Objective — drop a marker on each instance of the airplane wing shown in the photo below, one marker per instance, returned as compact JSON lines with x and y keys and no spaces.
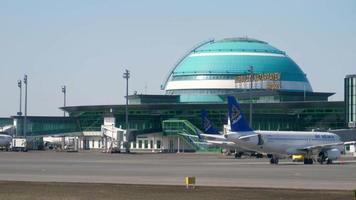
{"x":220,"y":142}
{"x":320,"y":147}
{"x":247,"y":136}
{"x":202,"y":143}
{"x":188,"y":135}
{"x":221,"y":137}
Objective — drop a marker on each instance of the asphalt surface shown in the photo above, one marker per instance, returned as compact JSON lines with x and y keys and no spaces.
{"x":170,"y":169}
{"x":84,"y":191}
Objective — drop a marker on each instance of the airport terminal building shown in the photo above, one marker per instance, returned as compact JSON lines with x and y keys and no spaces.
{"x":249,"y":69}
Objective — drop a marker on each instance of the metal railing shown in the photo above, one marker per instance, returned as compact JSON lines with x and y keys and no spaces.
{"x":185,"y":130}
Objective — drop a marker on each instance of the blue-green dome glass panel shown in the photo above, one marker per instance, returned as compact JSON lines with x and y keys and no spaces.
{"x":240,"y":65}
{"x":238,"y":46}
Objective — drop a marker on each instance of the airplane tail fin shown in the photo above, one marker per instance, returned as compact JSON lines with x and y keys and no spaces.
{"x":207,"y":124}
{"x":238,"y":121}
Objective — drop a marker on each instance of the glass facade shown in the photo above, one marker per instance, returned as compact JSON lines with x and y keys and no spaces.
{"x":46,"y":125}
{"x":258,"y":96}
{"x":266,"y":116}
{"x":6,"y":121}
{"x":350,"y":100}
{"x":148,"y":118}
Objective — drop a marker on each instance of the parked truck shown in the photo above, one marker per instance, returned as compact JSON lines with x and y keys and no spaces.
{"x":19,"y":144}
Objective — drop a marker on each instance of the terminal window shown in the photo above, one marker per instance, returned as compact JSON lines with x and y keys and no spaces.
{"x":347,"y":147}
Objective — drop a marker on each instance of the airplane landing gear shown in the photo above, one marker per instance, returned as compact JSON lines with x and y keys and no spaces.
{"x":238,"y":154}
{"x":259,"y":155}
{"x":308,"y":161}
{"x":328,"y":161}
{"x":322,"y":158}
{"x":321,"y":161}
{"x":274,"y":161}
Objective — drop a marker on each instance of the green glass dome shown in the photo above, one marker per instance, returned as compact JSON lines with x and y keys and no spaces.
{"x":213,"y":68}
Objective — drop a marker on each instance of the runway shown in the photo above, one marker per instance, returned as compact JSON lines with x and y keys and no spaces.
{"x":170,"y":169}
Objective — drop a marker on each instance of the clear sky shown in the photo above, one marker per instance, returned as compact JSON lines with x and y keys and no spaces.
{"x":87,"y":44}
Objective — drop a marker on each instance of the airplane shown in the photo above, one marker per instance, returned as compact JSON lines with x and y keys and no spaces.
{"x":5,"y":141}
{"x":213,"y":137}
{"x":279,"y":144}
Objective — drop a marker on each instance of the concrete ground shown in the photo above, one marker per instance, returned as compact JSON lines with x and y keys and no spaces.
{"x":170,"y":169}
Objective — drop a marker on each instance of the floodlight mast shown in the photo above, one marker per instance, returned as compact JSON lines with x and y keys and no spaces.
{"x":126,"y":76}
{"x":250,"y":93}
{"x":64,"y":91}
{"x":19,"y":84}
{"x":25,"y":119}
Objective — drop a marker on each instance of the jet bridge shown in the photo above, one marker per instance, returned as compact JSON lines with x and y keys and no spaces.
{"x":115,"y":139}
{"x":9,"y":129}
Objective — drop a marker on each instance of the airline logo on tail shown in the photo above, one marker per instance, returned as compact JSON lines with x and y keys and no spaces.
{"x":207,"y":124}
{"x":238,"y":122}
{"x":235,"y":114}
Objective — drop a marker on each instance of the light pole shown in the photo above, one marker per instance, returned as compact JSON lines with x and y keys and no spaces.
{"x":19,"y":84}
{"x":127,"y":76}
{"x":251,"y":82}
{"x":25,"y":119}
{"x":64,"y":90}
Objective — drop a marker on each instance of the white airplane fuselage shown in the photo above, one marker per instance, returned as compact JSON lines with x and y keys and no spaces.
{"x":223,"y":144}
{"x":283,"y":142}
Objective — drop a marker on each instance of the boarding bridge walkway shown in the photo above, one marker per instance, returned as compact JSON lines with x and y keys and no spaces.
{"x":114,"y":138}
{"x":8,"y":128}
{"x":186,"y":131}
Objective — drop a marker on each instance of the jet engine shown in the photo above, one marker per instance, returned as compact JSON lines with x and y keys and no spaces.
{"x":333,"y":154}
